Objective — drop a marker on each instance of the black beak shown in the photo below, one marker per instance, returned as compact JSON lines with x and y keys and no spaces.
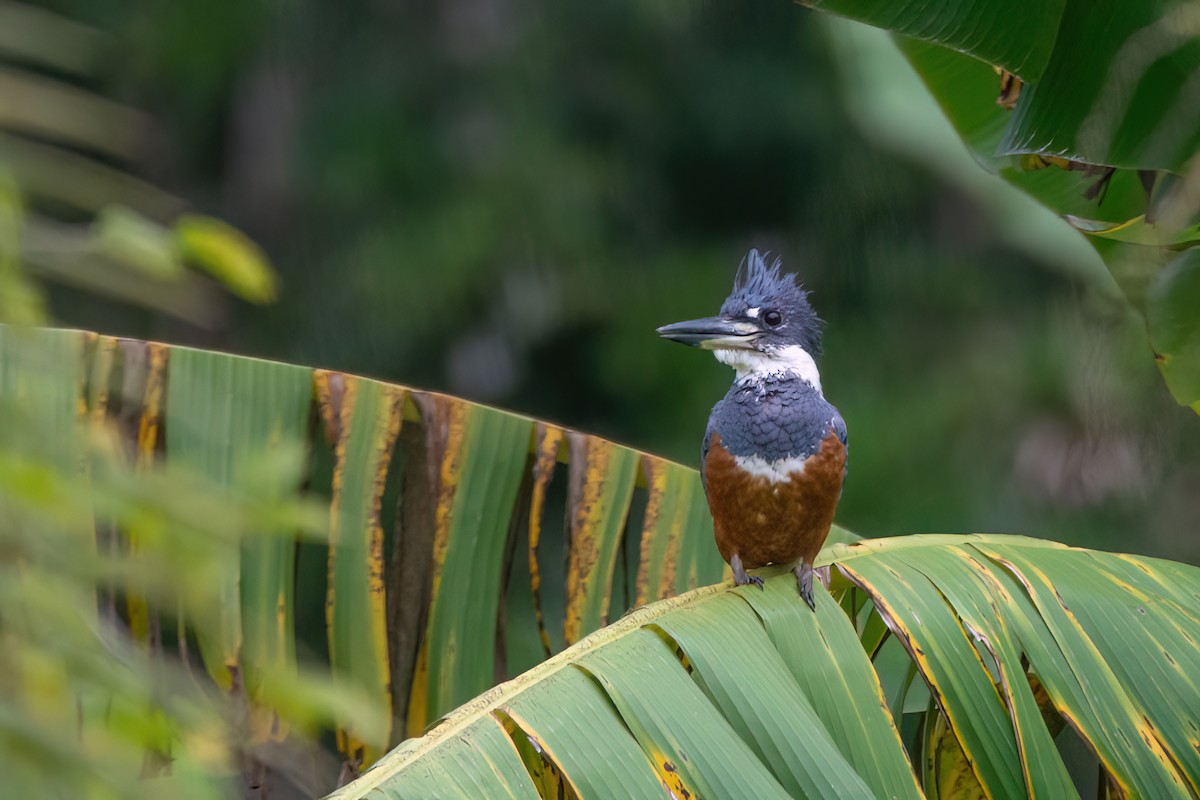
{"x":712,"y":333}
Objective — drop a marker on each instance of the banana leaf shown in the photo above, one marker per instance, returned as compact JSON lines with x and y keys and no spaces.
{"x":426,"y":497}
{"x":736,"y":692}
{"x":1087,"y":107}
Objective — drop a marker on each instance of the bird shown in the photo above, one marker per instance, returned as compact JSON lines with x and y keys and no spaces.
{"x":774,"y":455}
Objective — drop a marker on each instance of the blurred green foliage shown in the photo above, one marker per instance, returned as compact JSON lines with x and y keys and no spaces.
{"x":90,"y":707}
{"x":87,"y":708}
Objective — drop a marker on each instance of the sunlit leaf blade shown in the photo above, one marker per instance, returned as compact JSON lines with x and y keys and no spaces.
{"x":365,"y":416}
{"x":1171,"y":315}
{"x":1157,"y":576}
{"x":674,"y":722}
{"x":934,"y":637}
{"x":724,"y":641}
{"x":1083,"y":685}
{"x":216,"y":411}
{"x":480,"y":762}
{"x":602,"y":477}
{"x":222,"y":410}
{"x":710,"y":687}
{"x":593,"y":747}
{"x":1163,"y":681}
{"x":485,"y":453}
{"x":827,"y":662}
{"x":961,"y":579}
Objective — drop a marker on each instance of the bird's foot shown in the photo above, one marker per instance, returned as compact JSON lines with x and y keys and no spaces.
{"x":804,"y":576}
{"x":739,"y":573}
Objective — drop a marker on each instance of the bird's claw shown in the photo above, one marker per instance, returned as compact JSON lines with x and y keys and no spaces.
{"x":804,"y":576}
{"x":739,"y":573}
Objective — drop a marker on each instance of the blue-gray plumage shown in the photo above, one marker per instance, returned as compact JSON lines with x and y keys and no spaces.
{"x":773,"y":458}
{"x":777,"y":418}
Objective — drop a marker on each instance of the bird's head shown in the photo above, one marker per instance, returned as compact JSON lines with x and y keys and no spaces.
{"x":766,"y":325}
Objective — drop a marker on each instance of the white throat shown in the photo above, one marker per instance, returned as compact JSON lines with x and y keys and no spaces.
{"x":752,"y":365}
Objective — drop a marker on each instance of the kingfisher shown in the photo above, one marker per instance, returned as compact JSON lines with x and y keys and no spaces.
{"x":774,"y":455}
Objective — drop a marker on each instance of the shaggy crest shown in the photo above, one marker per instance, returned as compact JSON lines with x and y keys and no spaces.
{"x":756,"y":281}
{"x":758,"y":285}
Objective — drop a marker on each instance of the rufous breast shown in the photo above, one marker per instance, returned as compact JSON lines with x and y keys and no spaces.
{"x":773,"y":512}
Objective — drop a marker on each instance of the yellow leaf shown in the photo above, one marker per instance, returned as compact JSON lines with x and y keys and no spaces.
{"x":228,"y":255}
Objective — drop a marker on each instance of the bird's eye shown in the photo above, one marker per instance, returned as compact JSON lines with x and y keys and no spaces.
{"x":773,"y":318}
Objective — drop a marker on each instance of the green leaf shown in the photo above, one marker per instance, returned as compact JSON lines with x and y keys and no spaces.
{"x":484,"y":452}
{"x":680,"y":729}
{"x":830,"y":666}
{"x":938,"y":643}
{"x":364,"y":416}
{"x":1079,"y":680}
{"x":671,"y":492}
{"x":1085,"y":139}
{"x":593,"y":746}
{"x":1171,"y":315}
{"x":548,"y":440}
{"x":968,"y":591}
{"x":746,"y":692}
{"x":132,"y":239}
{"x":698,"y":563}
{"x":480,"y":762}
{"x":966,"y":88}
{"x":601,"y":487}
{"x":41,"y":379}
{"x":1136,"y":231}
{"x":228,"y":255}
{"x":1115,"y":90}
{"x":220,"y":410}
{"x":724,"y":640}
{"x":1018,"y":36}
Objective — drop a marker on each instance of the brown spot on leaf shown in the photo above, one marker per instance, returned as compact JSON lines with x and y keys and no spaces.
{"x":1010,"y":89}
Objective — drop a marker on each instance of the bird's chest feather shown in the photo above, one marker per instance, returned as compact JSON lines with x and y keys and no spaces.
{"x":773,"y":511}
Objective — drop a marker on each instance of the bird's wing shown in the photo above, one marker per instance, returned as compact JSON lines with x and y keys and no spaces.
{"x":708,"y":434}
{"x":839,"y":427}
